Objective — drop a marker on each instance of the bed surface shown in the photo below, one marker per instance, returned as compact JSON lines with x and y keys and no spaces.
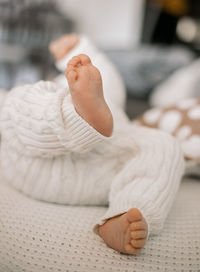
{"x":37,"y":236}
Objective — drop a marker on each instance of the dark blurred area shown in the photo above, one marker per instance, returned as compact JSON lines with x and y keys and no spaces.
{"x":26,"y":29}
{"x":167,"y":26}
{"x":169,"y":40}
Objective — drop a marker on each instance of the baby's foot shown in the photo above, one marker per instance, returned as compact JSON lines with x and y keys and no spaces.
{"x":85,"y":85}
{"x":63,"y":45}
{"x":126,"y":233}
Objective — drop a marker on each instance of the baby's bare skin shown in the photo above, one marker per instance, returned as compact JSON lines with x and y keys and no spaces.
{"x":126,"y":233}
{"x":86,"y":89}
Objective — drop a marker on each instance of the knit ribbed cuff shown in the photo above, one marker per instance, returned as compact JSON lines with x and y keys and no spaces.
{"x":83,"y":135}
{"x":73,"y":132}
{"x":84,"y":46}
{"x":148,"y":209}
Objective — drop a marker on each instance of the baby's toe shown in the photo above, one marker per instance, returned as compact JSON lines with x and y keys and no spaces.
{"x":131,"y":250}
{"x":139,"y":234}
{"x":139,"y":225}
{"x":138,"y":243}
{"x":84,"y":59}
{"x":71,"y":75}
{"x":75,"y":61}
{"x":134,"y":215}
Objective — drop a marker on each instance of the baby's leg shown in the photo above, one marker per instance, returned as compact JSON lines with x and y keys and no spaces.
{"x":86,"y":88}
{"x":148,"y":183}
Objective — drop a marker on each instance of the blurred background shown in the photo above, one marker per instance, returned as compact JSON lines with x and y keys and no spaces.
{"x":152,"y":42}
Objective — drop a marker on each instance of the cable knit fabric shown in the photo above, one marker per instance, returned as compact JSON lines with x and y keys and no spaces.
{"x":50,"y":153}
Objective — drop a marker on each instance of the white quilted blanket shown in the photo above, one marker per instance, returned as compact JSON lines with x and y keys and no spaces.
{"x":37,"y":236}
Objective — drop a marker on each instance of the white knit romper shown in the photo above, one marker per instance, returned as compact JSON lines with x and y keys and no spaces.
{"x":50,"y":153}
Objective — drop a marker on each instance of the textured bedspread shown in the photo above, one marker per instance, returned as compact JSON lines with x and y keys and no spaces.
{"x":36,"y":236}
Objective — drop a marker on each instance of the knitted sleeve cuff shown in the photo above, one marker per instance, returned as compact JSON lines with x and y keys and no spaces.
{"x":119,"y":207}
{"x":73,"y":132}
{"x":84,"y":46}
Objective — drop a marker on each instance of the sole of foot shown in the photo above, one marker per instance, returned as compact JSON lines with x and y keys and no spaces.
{"x":85,"y":84}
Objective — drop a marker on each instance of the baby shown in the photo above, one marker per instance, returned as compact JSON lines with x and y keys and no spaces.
{"x":70,"y":142}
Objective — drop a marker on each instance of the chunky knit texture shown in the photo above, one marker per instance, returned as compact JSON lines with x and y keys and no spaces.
{"x":50,"y":153}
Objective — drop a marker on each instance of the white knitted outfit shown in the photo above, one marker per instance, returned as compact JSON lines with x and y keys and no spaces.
{"x":50,"y":153}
